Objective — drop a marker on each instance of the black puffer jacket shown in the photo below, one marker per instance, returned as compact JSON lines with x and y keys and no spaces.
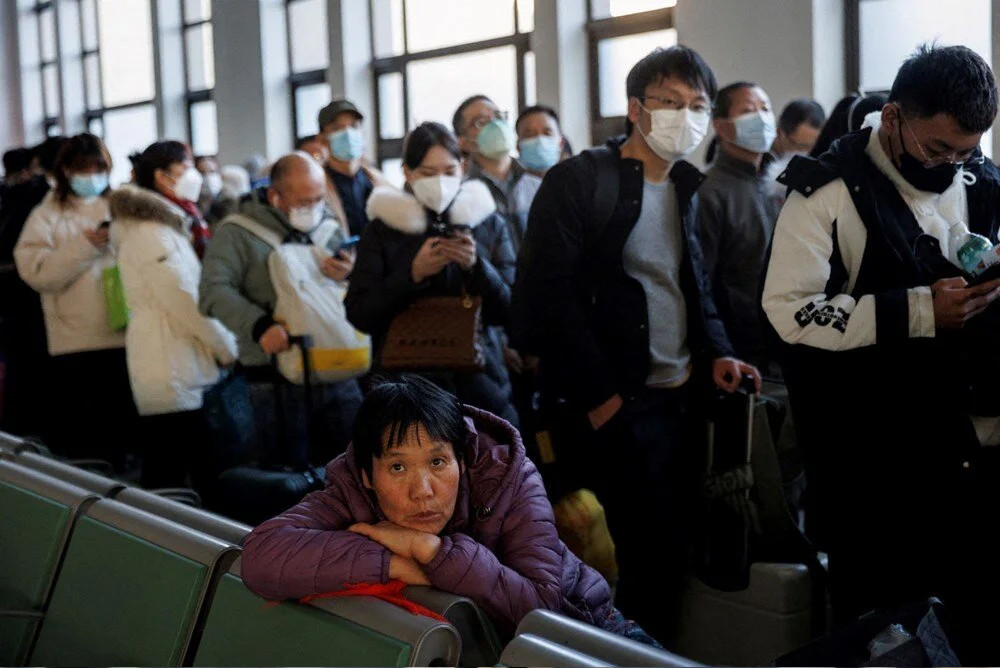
{"x":382,"y":284}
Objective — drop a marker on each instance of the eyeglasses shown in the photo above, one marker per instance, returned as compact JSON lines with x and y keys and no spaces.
{"x":482,"y":121}
{"x":935,"y":159}
{"x":698,"y":106}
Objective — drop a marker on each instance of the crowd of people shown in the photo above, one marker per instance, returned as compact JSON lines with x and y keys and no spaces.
{"x":514,"y":282}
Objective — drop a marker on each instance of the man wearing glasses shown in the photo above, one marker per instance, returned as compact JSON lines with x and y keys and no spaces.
{"x":487,"y":139}
{"x":611,"y":294}
{"x":889,"y":348}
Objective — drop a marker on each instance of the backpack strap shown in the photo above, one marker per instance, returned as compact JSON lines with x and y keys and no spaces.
{"x":270,"y":237}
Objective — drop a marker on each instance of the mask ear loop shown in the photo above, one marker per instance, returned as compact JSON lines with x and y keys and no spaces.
{"x":850,"y":112}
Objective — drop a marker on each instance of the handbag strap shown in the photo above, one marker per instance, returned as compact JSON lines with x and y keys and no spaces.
{"x":270,"y":237}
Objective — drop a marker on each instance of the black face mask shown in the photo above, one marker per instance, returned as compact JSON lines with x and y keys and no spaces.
{"x":933,"y":180}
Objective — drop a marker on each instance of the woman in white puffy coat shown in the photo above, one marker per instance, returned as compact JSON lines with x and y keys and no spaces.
{"x":174,"y":353}
{"x":61,"y":253}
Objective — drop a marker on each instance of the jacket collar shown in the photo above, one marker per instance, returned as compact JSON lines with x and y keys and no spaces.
{"x":402,"y":211}
{"x":740,"y":168}
{"x":686,"y":177}
{"x":131,"y":204}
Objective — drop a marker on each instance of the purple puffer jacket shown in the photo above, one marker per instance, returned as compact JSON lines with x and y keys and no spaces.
{"x":500,"y":548}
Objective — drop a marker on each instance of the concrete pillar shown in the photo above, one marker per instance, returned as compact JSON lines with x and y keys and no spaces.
{"x":559,"y":43}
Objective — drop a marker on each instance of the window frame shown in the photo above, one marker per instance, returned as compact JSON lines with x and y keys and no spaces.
{"x":392,"y":148}
{"x":49,"y":122}
{"x":194,"y":96}
{"x":97,"y":113}
{"x":598,"y":30}
{"x":297,"y":80}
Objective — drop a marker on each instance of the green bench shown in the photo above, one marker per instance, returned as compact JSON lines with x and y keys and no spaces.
{"x":35,"y":524}
{"x":74,"y":475}
{"x":130,"y":590}
{"x":200,"y":520}
{"x":243,"y":629}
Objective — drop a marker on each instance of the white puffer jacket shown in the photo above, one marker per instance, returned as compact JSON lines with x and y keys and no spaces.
{"x":54,"y":257}
{"x":173,"y":351}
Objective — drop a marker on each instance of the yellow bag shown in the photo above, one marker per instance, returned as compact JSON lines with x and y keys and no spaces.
{"x":582,"y":525}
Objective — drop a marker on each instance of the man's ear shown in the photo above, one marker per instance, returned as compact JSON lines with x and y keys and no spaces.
{"x":365,"y":481}
{"x":273,"y":198}
{"x":634,"y":110}
{"x":890,"y":118}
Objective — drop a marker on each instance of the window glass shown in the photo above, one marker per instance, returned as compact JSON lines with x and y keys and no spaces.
{"x":197,"y":10}
{"x":50,"y":79}
{"x":602,"y":9}
{"x":615,"y":57}
{"x":88,"y":9}
{"x":200,"y":58}
{"x":204,"y":129}
{"x":128,"y":131}
{"x":308,"y":101}
{"x":433,"y":24}
{"x":92,"y":79}
{"x":438,"y":85}
{"x":48,"y":36}
{"x":390,"y":105}
{"x":126,"y":51}
{"x":309,"y":36}
{"x":387,"y":17}
{"x":393,"y":171}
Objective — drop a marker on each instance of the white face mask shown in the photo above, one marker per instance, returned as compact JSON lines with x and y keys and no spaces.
{"x":755,"y":131}
{"x":214,"y":183}
{"x":188,"y":186}
{"x":306,"y":218}
{"x":436,"y":192}
{"x":674,"y":133}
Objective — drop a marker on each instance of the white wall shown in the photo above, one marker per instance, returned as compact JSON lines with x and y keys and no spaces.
{"x":11,"y":119}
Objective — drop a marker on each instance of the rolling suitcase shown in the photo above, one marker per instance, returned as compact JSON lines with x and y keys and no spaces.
{"x":253,"y":494}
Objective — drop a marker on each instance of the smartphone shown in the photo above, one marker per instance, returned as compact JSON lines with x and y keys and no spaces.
{"x":349,"y":243}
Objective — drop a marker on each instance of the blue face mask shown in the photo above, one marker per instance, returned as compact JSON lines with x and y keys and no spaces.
{"x":755,"y":131}
{"x":347,"y":144}
{"x":89,"y":185}
{"x":540,"y":153}
{"x":496,"y":139}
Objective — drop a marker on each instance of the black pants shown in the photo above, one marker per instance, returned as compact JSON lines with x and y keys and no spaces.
{"x":174,"y":446}
{"x":644,"y":470}
{"x":95,"y":415}
{"x":290,"y":437}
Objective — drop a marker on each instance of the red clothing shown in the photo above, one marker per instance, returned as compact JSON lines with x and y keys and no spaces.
{"x":200,"y":234}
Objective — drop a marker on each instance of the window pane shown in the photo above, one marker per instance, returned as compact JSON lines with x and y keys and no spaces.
{"x":602,"y":9}
{"x":204,"y":128}
{"x":615,"y":57}
{"x":390,"y":106}
{"x":914,"y":22}
{"x":308,"y":101}
{"x":393,"y":172}
{"x":48,"y":36}
{"x":525,"y":15}
{"x":88,"y":10}
{"x":50,"y":79}
{"x":126,"y":51}
{"x":432,"y":24}
{"x":387,"y":23}
{"x":92,"y":78}
{"x":309,"y":36}
{"x":197,"y":10}
{"x":530,"y":86}
{"x":53,"y":130}
{"x":127,"y":131}
{"x":438,"y":85}
{"x":95,"y":126}
{"x":200,"y":58}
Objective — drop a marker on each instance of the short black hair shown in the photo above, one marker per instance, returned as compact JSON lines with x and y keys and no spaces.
{"x":302,"y":141}
{"x":396,"y":405}
{"x":951,"y":80}
{"x":537,"y":109}
{"x":160,"y":155}
{"x":799,"y":111}
{"x":17,"y":160}
{"x":724,"y":98}
{"x":456,"y":120}
{"x":676,"y":61}
{"x":423,"y":138}
{"x":48,"y":152}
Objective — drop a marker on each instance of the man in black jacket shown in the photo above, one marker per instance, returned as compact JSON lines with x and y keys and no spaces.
{"x":614,"y":299}
{"x":890,"y":356}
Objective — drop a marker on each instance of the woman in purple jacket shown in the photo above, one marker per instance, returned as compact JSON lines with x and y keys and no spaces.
{"x":432,"y":493}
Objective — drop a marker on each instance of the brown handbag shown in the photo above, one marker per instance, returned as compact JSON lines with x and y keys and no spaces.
{"x":437,"y":334}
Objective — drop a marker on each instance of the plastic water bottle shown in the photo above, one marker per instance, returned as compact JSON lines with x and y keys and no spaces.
{"x":968,"y":247}
{"x":888,"y":639}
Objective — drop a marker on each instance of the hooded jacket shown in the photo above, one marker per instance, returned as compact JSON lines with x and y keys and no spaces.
{"x":54,"y":257}
{"x":500,"y":547}
{"x":172,"y":351}
{"x":382,"y":283}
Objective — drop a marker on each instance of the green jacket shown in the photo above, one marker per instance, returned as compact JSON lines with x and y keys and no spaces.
{"x":235,"y":281}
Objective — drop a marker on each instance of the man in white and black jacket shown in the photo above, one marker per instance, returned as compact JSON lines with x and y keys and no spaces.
{"x":889,"y":354}
{"x":613,"y":297}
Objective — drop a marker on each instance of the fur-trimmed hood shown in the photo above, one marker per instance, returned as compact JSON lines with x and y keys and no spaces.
{"x":401,"y":211}
{"x":132,"y":204}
